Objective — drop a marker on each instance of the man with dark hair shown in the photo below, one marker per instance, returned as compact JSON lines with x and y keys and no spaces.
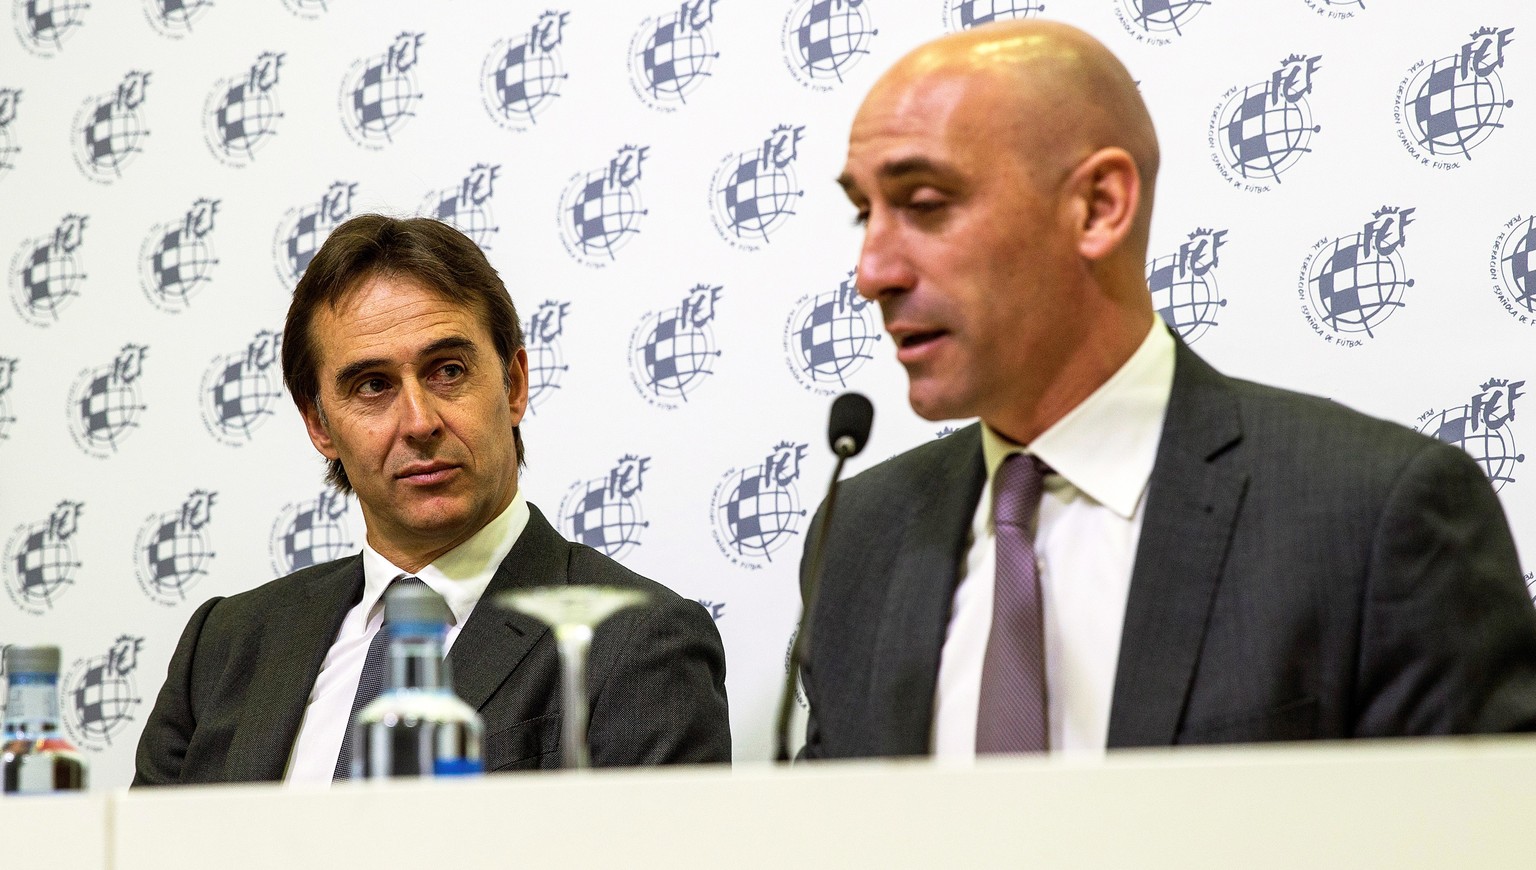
{"x":405,"y":358}
{"x":1130,"y":548}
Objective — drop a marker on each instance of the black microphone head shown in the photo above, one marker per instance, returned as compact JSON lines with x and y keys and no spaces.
{"x":848,"y":428}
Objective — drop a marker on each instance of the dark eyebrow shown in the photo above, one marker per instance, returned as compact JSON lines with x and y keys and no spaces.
{"x":898,"y":169}
{"x":452,"y":342}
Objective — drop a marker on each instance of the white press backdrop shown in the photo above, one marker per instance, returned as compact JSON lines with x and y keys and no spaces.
{"x":1345,"y":208}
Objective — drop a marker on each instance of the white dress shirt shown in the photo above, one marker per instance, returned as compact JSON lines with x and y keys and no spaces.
{"x":459,"y":576}
{"x":1101,"y":455}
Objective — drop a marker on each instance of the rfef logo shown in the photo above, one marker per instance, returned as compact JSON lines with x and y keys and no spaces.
{"x":1451,"y":105}
{"x":9,"y":98}
{"x":601,"y":210}
{"x":1351,"y":284}
{"x":109,"y":130}
{"x":754,"y":192}
{"x":604,"y":513}
{"x":1183,"y":284}
{"x":1483,"y":427}
{"x":241,"y":113}
{"x":522,"y":76}
{"x":101,"y":695}
{"x":1259,"y":131}
{"x":43,"y":26}
{"x":466,"y":206}
{"x":546,"y":352}
{"x":175,"y":18}
{"x":672,"y":54}
{"x":106,"y":402}
{"x":1157,"y":22}
{"x":828,"y":336}
{"x":823,"y":40}
{"x":176,"y":259}
{"x":1512,"y":266}
{"x":172,"y":551}
{"x":965,"y":14}
{"x":672,"y":352}
{"x":311,"y":533}
{"x":379,"y":93}
{"x":756,"y":508}
{"x":46,"y":275}
{"x":305,"y":228}
{"x":239,"y":391}
{"x":42,"y":560}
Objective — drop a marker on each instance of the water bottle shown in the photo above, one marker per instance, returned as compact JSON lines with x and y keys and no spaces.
{"x":417,"y":726}
{"x":37,"y":759}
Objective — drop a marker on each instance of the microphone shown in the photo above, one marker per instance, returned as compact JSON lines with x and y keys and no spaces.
{"x":847,"y":433}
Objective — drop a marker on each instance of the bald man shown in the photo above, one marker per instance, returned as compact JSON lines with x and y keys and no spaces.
{"x":1129,"y":549}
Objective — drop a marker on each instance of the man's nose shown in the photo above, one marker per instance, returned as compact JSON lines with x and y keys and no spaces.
{"x":884,"y":268}
{"x":419,"y":418}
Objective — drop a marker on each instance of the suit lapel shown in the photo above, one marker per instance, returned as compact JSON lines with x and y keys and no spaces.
{"x":294,"y":643}
{"x":495,"y":641}
{"x":1192,"y":504}
{"x":920,"y":595}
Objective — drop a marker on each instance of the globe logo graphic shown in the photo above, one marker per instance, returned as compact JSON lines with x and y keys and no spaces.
{"x":1355,"y":289}
{"x":600,"y":216}
{"x":673,"y":354}
{"x":380,"y":95}
{"x":43,"y":561}
{"x":175,"y":18}
{"x":674,"y":58}
{"x":758,"y":513}
{"x":1261,"y":134}
{"x":106,"y":405}
{"x":599,"y":516}
{"x":305,"y":229}
{"x":9,"y":97}
{"x":473,"y":219}
{"x":827,"y":38}
{"x":7,"y":378}
{"x":829,"y":337}
{"x":1493,"y":448}
{"x":965,"y":14}
{"x":44,"y":25}
{"x":238,"y":394}
{"x":178,"y":264}
{"x":48,"y":278}
{"x":1449,"y":113}
{"x":546,"y":355}
{"x":1517,"y":266}
{"x":109,"y":136}
{"x":174,"y":553}
{"x":521,"y":81}
{"x":242,"y":119}
{"x":1162,"y":16}
{"x":753,"y":196}
{"x":103,"y":695}
{"x":312,"y":533}
{"x":1186,"y":300}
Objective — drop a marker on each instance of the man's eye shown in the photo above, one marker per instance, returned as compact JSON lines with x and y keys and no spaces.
{"x":861,"y":218}
{"x":372,"y":386}
{"x":451,"y":372}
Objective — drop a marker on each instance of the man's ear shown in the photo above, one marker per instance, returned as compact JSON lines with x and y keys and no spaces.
{"x":517,"y":386}
{"x":319,"y":432}
{"x":1106,"y":194}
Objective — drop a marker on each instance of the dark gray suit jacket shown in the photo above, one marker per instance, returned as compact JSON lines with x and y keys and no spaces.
{"x":1304,"y":572}
{"x":240,"y":678}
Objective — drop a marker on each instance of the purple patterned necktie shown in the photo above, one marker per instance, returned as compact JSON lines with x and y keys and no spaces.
{"x":1012,"y":714}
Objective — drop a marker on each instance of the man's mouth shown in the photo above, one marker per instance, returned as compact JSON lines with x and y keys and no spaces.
{"x":426,"y":473}
{"x":913,"y":344}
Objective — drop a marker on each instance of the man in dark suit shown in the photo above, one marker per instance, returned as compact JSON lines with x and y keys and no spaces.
{"x":1130,"y":549}
{"x":405,"y":357}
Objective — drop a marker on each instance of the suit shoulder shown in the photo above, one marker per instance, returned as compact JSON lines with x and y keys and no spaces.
{"x":246,"y":607}
{"x":589,"y":566}
{"x":897,"y":474}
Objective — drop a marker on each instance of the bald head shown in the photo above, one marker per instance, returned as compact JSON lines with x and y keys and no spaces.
{"x":1004,"y":179}
{"x":1043,"y":90}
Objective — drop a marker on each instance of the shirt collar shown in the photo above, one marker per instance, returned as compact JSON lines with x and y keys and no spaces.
{"x":1105,"y":447}
{"x":459,"y":575}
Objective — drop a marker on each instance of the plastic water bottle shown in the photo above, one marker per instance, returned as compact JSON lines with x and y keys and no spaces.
{"x":37,"y":759}
{"x":417,"y":726}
